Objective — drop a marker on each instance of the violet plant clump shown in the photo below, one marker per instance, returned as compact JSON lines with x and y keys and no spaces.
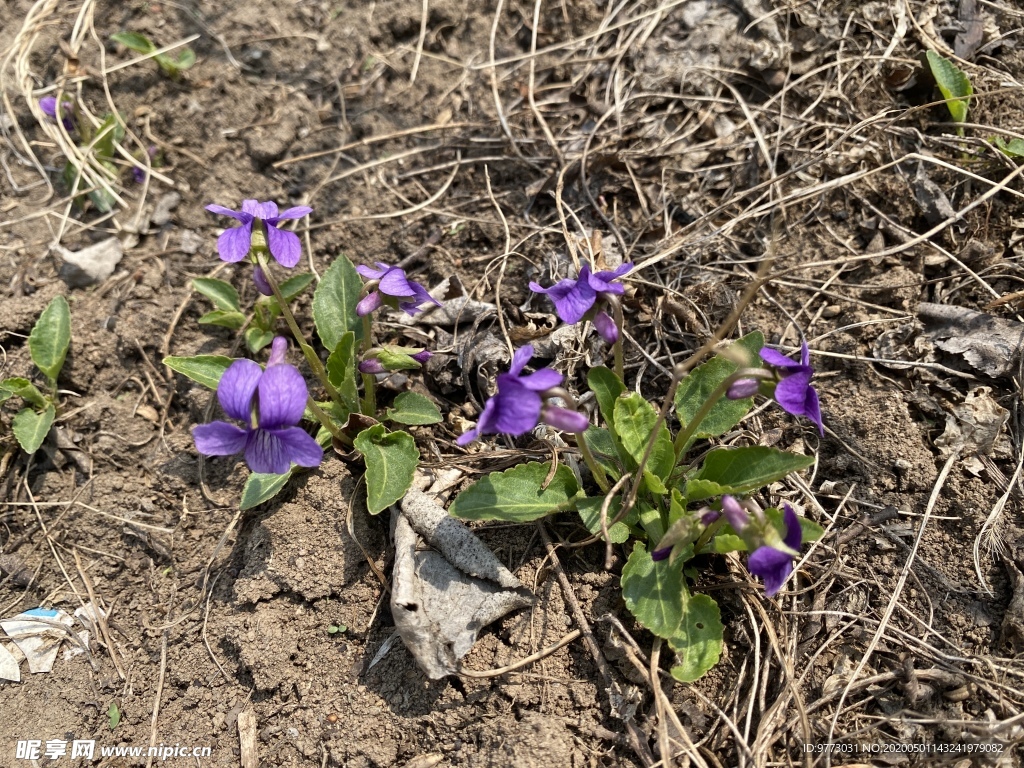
{"x":668,"y":497}
{"x":268,"y":407}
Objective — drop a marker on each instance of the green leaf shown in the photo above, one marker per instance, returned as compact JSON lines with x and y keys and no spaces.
{"x":108,"y":136}
{"x":698,"y":642}
{"x":657,"y":594}
{"x":413,"y":408}
{"x":260,"y":487}
{"x":606,"y":388}
{"x":221,"y":293}
{"x":725,"y":542}
{"x":953,"y":83}
{"x":24,"y":389}
{"x":113,"y":715}
{"x":703,"y":489}
{"x":206,"y":369}
{"x":516,"y":495}
{"x":809,"y":530}
{"x":134,"y":41}
{"x":609,"y":455}
{"x":696,"y":388}
{"x":256,"y":338}
{"x":1011,"y":148}
{"x":341,"y":370}
{"x":334,"y":303}
{"x":51,"y":337}
{"x":742,"y":470}
{"x":391,"y":460}
{"x":590,"y":513}
{"x":634,"y":420}
{"x":224,"y":318}
{"x":31,"y":427}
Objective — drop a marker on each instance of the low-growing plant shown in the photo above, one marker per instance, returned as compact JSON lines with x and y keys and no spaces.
{"x":172,"y":66}
{"x":669,"y":496}
{"x":48,"y":344}
{"x":954,"y":85}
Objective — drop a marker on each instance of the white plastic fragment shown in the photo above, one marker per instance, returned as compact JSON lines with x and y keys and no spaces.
{"x":38,"y":634}
{"x":9,"y":669}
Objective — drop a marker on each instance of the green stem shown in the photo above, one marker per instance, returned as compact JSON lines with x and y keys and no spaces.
{"x":369,"y":379}
{"x":311,"y":356}
{"x":617,"y":316}
{"x":707,"y":535}
{"x":326,"y":421}
{"x":595,"y":469}
{"x":686,"y":433}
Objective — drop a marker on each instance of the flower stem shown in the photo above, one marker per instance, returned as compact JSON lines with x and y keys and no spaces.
{"x":707,"y":535}
{"x":686,"y":433}
{"x":369,"y":379}
{"x":620,"y":367}
{"x":326,"y":421}
{"x":311,"y":356}
{"x":595,"y":469}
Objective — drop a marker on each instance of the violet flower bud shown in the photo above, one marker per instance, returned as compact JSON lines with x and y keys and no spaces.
{"x":371,"y":366}
{"x":734,"y":513}
{"x":262,"y":284}
{"x":422,"y":356}
{"x":742,"y":388}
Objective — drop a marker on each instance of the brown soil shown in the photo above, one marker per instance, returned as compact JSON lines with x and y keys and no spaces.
{"x":696,"y":141}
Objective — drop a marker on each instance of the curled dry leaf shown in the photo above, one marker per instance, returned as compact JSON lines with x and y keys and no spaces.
{"x":988,"y":343}
{"x":442,"y":597}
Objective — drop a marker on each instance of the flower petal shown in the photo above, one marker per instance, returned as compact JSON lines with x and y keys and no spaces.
{"x":284,"y":246}
{"x":278,"y":350}
{"x":572,"y":299}
{"x":236,"y":388}
{"x":771,"y":565}
{"x":467,"y":437}
{"x":814,"y":409}
{"x":370,"y":273}
{"x":282,"y":397}
{"x":520,"y":359}
{"x":396,"y":283}
{"x":49,"y":106}
{"x":564,"y":419}
{"x":233,"y":244}
{"x":485,"y":424}
{"x":543,"y":379}
{"x":794,"y":535}
{"x":220,"y":210}
{"x":251,"y":207}
{"x":266,"y":453}
{"x":293,"y":213}
{"x":300,"y":447}
{"x":267,"y":210}
{"x":791,"y":393}
{"x":604,"y":282}
{"x":805,"y":354}
{"x":517,"y":409}
{"x":775,"y":358}
{"x":218,"y":438}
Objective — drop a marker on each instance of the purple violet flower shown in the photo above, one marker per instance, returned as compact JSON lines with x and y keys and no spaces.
{"x":734,"y":513}
{"x":774,"y":565}
{"x":575,"y":300}
{"x":794,"y":392}
{"x":49,"y":106}
{"x":234,"y":244}
{"x":393,"y":288}
{"x":742,"y":388}
{"x":270,"y":404}
{"x":519,"y":404}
